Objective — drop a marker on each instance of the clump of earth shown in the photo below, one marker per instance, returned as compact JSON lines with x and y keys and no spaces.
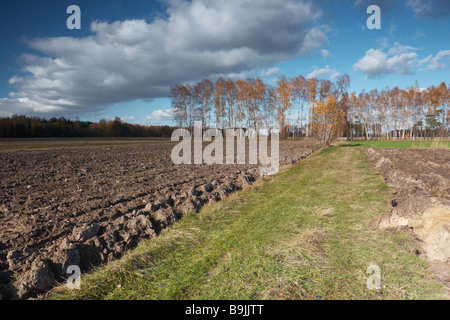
{"x":88,"y":206}
{"x":421,"y":202}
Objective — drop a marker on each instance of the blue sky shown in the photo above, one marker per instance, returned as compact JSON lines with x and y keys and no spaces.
{"x":128,"y":53}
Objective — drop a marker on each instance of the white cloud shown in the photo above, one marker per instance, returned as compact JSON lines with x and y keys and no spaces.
{"x":419,"y":35}
{"x":135,"y":59}
{"x":440,"y":61}
{"x":382,"y":43}
{"x":385,"y":5}
{"x":399,"y":59}
{"x":425,"y":60}
{"x":128,"y":119}
{"x":254,"y":73}
{"x":270,"y":72}
{"x":325,"y":53}
{"x":161,"y":115}
{"x":324,"y":72}
{"x":392,"y":29}
{"x":399,"y":49}
{"x":428,"y":9}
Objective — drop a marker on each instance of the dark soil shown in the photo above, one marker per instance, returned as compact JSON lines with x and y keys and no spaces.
{"x":87,"y":206}
{"x":421,"y":201}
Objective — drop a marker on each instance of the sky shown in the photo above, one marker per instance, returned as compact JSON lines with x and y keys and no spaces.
{"x":128,"y":54}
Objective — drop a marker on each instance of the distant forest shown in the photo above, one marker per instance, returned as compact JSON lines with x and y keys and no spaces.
{"x":35,"y":127}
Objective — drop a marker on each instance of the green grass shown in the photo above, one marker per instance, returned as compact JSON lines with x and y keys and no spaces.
{"x":400,"y":144}
{"x":302,"y":234}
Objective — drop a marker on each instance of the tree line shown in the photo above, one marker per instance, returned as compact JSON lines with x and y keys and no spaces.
{"x":400,"y":113}
{"x":308,"y":107}
{"x":35,"y":127}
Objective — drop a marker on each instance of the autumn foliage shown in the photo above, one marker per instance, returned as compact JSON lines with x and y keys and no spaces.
{"x":394,"y":113}
{"x":326,"y":119}
{"x":287,"y":107}
{"x":296,"y":107}
{"x":302,"y":107}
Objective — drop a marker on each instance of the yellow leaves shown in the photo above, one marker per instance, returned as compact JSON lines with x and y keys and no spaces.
{"x":326,"y":118}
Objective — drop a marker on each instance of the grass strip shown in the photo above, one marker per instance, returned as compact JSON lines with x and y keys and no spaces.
{"x":302,"y":234}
